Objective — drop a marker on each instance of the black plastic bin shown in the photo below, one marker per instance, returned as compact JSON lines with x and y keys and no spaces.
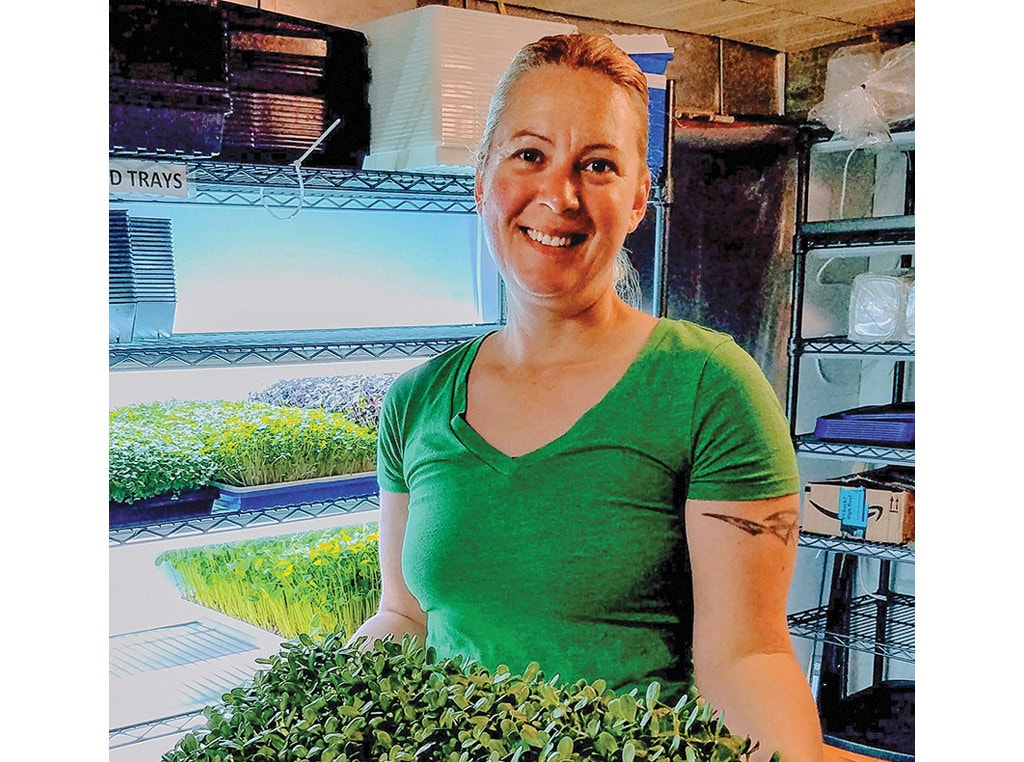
{"x":877,"y":722}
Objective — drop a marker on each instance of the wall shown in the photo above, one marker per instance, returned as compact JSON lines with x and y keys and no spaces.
{"x":343,"y":13}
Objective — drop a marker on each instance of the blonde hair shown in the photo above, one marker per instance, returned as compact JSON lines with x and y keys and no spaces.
{"x":627,"y":280}
{"x":591,"y":52}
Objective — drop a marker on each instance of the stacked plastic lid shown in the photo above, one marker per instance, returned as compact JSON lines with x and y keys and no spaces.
{"x":265,"y":123}
{"x":434,"y":70}
{"x":141,"y":259}
{"x":289,"y":80}
{"x":120,"y":282}
{"x":168,"y":81}
{"x":193,"y":80}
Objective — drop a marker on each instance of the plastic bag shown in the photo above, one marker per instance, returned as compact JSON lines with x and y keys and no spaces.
{"x":866,"y":91}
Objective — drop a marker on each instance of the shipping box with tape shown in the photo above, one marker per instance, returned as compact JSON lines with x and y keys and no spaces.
{"x":877,"y":506}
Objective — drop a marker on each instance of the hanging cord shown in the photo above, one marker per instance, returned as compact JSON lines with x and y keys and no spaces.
{"x":842,"y":203}
{"x":818,"y":279}
{"x":846,"y":167}
{"x":821,"y":272}
{"x":298,"y":175}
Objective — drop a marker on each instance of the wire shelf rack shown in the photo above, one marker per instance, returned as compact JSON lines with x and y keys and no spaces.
{"x":153,"y":729}
{"x":223,"y":183}
{"x":840,"y":346}
{"x":862,"y":548}
{"x":807,"y":444}
{"x":230,"y":521}
{"x":859,"y":237}
{"x":200,"y":350}
{"x":864,"y":611}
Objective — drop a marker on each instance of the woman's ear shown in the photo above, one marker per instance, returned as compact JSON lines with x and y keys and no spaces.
{"x":643,"y":192}
{"x":478,"y":189}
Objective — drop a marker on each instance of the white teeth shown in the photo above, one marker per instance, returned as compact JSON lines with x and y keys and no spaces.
{"x":547,"y":240}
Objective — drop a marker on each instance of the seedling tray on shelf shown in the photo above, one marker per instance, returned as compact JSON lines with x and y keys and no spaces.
{"x":872,"y":424}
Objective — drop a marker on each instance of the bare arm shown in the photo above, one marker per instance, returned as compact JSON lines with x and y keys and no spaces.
{"x":743,"y":555}
{"x":399,"y":612}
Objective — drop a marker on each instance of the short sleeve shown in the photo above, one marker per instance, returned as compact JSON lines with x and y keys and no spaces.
{"x":391,"y":438}
{"x":742,"y":448}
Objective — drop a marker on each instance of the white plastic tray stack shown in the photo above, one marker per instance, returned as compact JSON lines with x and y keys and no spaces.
{"x":433,"y":70}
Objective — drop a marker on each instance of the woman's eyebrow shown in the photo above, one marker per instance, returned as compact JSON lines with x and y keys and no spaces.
{"x":529,"y":134}
{"x":526,"y":133}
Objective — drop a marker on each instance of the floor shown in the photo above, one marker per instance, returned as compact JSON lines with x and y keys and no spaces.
{"x":170,"y":658}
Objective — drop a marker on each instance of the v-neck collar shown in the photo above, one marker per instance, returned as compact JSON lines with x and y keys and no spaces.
{"x":507,"y":464}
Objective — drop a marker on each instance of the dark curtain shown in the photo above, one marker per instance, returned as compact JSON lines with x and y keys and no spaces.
{"x":729,"y":259}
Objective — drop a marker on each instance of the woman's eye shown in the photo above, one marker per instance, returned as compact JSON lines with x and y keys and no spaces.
{"x":599,"y":166}
{"x":530,"y":155}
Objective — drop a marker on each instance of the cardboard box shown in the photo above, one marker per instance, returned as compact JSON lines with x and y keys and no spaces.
{"x":877,"y":506}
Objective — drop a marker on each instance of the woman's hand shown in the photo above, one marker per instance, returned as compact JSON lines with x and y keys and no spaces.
{"x":399,"y":613}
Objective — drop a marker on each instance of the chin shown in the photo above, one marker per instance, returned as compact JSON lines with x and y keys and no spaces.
{"x":555,"y":294}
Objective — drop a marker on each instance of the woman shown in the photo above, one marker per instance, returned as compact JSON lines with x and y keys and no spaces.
{"x":589,"y":487}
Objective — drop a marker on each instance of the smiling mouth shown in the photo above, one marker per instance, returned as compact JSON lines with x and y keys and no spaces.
{"x":557,"y":242}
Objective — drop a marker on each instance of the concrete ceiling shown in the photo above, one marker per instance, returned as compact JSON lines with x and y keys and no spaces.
{"x":781,"y":25}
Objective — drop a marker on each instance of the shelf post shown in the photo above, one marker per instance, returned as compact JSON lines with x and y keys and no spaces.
{"x":834,"y":657}
{"x":664,"y":191}
{"x":885,"y":597}
{"x":799,"y":273}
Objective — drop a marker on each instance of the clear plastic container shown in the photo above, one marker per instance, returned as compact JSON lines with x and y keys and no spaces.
{"x":882,"y":307}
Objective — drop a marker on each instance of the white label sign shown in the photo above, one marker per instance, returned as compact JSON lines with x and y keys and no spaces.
{"x":153,"y":177}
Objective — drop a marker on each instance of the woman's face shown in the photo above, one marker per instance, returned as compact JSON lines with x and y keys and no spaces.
{"x":563,"y":185}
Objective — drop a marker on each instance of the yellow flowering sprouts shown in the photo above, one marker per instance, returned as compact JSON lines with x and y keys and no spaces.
{"x":311,"y":582}
{"x":267,"y":444}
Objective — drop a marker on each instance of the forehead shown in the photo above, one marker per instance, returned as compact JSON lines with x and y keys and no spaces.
{"x":583,"y":101}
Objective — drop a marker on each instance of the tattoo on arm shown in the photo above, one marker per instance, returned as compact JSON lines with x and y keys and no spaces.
{"x":782,"y":524}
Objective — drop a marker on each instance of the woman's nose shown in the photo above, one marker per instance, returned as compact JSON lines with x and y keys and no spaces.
{"x":559,"y":190}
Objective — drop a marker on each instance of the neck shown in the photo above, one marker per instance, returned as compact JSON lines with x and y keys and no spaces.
{"x":539,"y":336}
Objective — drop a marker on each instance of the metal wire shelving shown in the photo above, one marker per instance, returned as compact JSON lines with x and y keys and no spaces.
{"x":230,"y":521}
{"x":283,"y":188}
{"x":807,"y":444}
{"x":159,"y":728}
{"x":856,"y":236}
{"x":862,"y":632}
{"x":228,"y":183}
{"x":268,"y":347}
{"x":881,"y":623}
{"x":840,"y":346}
{"x":862,"y":548}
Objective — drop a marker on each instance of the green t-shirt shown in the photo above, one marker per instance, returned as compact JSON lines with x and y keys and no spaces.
{"x":574,"y":555}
